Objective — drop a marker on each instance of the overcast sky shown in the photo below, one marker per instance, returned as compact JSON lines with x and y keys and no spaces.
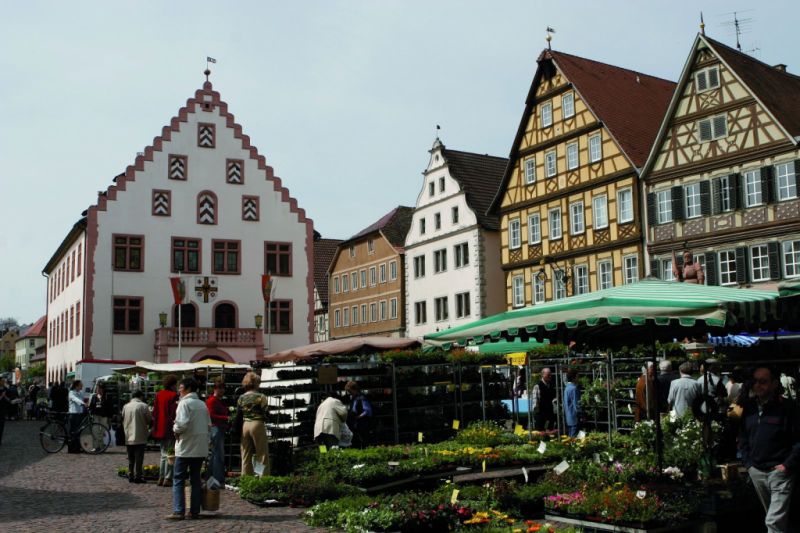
{"x":341,"y":97}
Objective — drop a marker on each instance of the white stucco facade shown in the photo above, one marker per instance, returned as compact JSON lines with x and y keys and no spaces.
{"x":474,"y":277}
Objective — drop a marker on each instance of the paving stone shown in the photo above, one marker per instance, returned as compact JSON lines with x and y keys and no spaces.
{"x":62,"y":492}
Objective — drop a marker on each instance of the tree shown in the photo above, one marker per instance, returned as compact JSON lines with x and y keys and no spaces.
{"x":36,"y":370}
{"x":7,"y":363}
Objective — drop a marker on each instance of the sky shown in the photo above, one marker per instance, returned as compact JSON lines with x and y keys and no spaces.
{"x":341,"y":97}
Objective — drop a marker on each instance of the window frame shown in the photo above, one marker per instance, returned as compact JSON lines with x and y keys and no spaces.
{"x":279,"y":306}
{"x":791,"y":181}
{"x":463,"y":306}
{"x":664,"y":198}
{"x":393,"y":270}
{"x":225,"y":260}
{"x":382,"y":273}
{"x":625,"y":269}
{"x":127,"y":308}
{"x":604,"y":203}
{"x":559,"y":286}
{"x":601,"y":281}
{"x":278,"y":252}
{"x":535,"y":238}
{"x":454,"y":215}
{"x":691,"y":201}
{"x":518,"y":291}
{"x":185,"y":251}
{"x":514,"y":234}
{"x":572,"y":150}
{"x":729,"y":261}
{"x":437,"y":221}
{"x":530,"y":170}
{"x":712,"y":123}
{"x":550,"y":164}
{"x":577,"y":218}
{"x":373,"y":276}
{"x":595,"y":142}
{"x":538,"y":284}
{"x":763,"y":262}
{"x":440,"y":260}
{"x":461,"y":255}
{"x":567,"y":97}
{"x":419,"y":266}
{"x":546,"y":114}
{"x":393,"y":309}
{"x":550,"y":218}
{"x":756,"y":188}
{"x":128,"y":247}
{"x":795,"y":254}
{"x":707,"y":78}
{"x":581,"y":273}
{"x":421,"y":318}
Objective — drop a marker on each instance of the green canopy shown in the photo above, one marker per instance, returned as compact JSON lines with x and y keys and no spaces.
{"x":662,"y":302}
{"x":514,"y":346}
{"x":789,"y":288}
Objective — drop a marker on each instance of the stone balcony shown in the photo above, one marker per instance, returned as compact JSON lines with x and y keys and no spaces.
{"x":196,"y":340}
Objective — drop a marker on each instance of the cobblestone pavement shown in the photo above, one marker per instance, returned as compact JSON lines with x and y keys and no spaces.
{"x":61,"y":492}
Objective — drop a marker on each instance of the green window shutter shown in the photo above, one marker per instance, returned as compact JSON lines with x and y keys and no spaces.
{"x":678,"y":210}
{"x":712,"y":277}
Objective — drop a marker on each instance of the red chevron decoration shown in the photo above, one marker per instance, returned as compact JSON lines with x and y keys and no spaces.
{"x":206,"y":135}
{"x":206,"y":208}
{"x":177,"y":167}
{"x":235,"y":171}
{"x":250,"y":208}
{"x":162,"y":203}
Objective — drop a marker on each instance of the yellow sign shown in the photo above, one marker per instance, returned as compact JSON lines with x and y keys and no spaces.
{"x":454,"y":497}
{"x":419,"y":437}
{"x":323,"y":448}
{"x":456,"y":424}
{"x":518,"y":358}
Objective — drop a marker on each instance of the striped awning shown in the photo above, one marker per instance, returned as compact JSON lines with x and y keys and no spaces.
{"x":738,"y":341}
{"x":660,"y":302}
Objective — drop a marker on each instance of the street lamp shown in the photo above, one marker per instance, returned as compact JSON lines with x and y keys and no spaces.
{"x":259,"y":321}
{"x":162,"y":318}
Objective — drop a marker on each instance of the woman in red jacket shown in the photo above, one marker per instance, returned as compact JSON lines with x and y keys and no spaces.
{"x":164,"y":408}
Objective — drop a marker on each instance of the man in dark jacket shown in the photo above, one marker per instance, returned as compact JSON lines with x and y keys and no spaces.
{"x":665,"y":379}
{"x":770,"y":446}
{"x":544,"y":392}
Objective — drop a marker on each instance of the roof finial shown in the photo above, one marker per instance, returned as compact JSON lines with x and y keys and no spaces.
{"x":207,"y":71}
{"x":438,"y":128}
{"x":702,"y":24}
{"x":550,"y":31}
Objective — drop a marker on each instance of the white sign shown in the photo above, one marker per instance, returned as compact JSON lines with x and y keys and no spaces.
{"x":525,"y":473}
{"x":542,"y":447}
{"x":561,"y":467}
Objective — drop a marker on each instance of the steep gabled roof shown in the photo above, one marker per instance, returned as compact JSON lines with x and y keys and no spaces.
{"x":394,"y":225}
{"x":630,"y":104}
{"x":38,"y":329}
{"x":324,"y":252}
{"x":779,"y":91}
{"x":479,"y":176}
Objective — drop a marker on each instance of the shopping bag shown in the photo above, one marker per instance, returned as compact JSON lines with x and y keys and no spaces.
{"x":210,"y":499}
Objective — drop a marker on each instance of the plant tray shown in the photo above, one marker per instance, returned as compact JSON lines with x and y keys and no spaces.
{"x":591,"y":525}
{"x":500,"y":473}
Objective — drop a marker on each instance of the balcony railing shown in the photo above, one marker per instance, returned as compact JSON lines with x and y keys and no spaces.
{"x":209,"y":338}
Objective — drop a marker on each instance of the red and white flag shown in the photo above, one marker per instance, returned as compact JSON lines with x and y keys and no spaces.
{"x":266,"y":287}
{"x":178,"y":290}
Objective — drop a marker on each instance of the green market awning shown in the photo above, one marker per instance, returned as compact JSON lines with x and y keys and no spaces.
{"x":787,"y":289}
{"x":514,"y":346}
{"x":661,"y":302}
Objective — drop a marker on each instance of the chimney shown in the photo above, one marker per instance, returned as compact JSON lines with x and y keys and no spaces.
{"x":780,"y":66}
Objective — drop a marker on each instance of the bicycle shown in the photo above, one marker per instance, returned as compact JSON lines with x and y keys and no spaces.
{"x":54,"y":435}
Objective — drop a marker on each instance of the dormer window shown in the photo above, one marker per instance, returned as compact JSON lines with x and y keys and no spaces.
{"x":547,"y":114}
{"x":707,"y":79}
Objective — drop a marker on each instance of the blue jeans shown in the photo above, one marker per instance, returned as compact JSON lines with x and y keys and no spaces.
{"x":184,"y":466}
{"x":572,"y":431}
{"x":217,"y":466}
{"x":164,"y":468}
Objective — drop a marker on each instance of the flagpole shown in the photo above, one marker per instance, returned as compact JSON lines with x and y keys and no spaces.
{"x":180,"y":306}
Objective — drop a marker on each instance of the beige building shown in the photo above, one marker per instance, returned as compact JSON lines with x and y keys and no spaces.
{"x":366,"y":282}
{"x":32,"y":340}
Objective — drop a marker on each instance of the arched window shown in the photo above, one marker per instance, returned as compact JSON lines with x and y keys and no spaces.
{"x":224,"y":316}
{"x":188,"y":316}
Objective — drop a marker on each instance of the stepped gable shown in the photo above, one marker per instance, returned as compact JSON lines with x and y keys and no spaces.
{"x":480,"y":176}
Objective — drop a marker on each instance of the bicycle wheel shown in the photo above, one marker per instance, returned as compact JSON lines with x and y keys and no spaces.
{"x":94,"y":438}
{"x":53,"y":437}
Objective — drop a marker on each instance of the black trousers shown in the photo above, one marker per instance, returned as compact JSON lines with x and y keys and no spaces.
{"x":544,"y":420}
{"x":2,"y":421}
{"x":75,"y":420}
{"x":135,"y":461}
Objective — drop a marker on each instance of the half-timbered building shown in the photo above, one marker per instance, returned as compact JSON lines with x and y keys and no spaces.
{"x":201,"y":204}
{"x":324,"y":251}
{"x":568,"y":203}
{"x":721,"y":178}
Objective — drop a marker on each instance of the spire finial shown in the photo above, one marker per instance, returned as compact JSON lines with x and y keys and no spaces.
{"x":702,"y":24}
{"x":550,"y":31}
{"x":438,"y":128}
{"x":207,"y":71}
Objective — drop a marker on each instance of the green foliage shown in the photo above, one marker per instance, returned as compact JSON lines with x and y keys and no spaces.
{"x":7,"y":363}
{"x":36,"y":370}
{"x":483,"y":434}
{"x":296,"y":490}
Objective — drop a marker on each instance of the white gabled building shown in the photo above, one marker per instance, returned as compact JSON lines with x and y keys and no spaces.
{"x":452,"y":250}
{"x":202,"y":201}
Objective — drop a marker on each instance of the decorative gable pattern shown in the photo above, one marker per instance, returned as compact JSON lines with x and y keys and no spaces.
{"x":250,"y":211}
{"x":162,"y":201}
{"x":178,"y":167}
{"x":234,"y":171}
{"x":206,"y":137}
{"x":206,"y":208}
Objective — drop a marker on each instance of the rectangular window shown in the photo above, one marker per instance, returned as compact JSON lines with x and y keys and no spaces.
{"x":373,"y":312}
{"x":600,"y":211}
{"x":336,"y":285}
{"x":128,"y":253}
{"x":441,"y":184}
{"x":534,"y":229}
{"x":787,"y":181}
{"x":419,"y":266}
{"x":78,"y":318}
{"x":712,"y":128}
{"x":439,"y":260}
{"x":727,"y":267}
{"x":666,"y":270}
{"x":559,"y":286}
{"x":186,"y":254}
{"x":393,"y":308}
{"x":707,"y":79}
{"x":382,"y":272}
{"x":572,"y":156}
{"x":71,"y":325}
{"x":352,"y":251}
{"x":595,"y":149}
{"x":128,"y":314}
{"x":530,"y":170}
{"x":370,"y":246}
{"x":568,"y":105}
{"x":354,"y":280}
{"x":550,"y":168}
{"x":759,"y":262}
{"x":581,"y":279}
{"x":226,"y":257}
{"x":345,"y":283}
{"x":373,"y":276}
{"x":420,"y":312}
{"x":752,"y":188}
{"x":346,"y":316}
{"x":278,"y":258}
{"x":547,"y":114}
{"x":431,"y":188}
{"x":724,"y":193}
{"x":67,"y":277}
{"x":605,"y":274}
{"x":461,"y":253}
{"x":441,"y":309}
{"x":363,"y":279}
{"x":554,"y":221}
{"x":354,"y":314}
{"x":454,"y":214}
{"x":691,"y":200}
{"x":631,"y":269}
{"x":280,"y":316}
{"x":382,"y":307}
{"x":422,"y":226}
{"x":73,"y":252}
{"x":80,"y":258}
{"x":518,"y":291}
{"x":664,"y":206}
{"x":514,"y":237}
{"x":364,"y":314}
{"x":462,"y":305}
{"x":791,"y":259}
{"x":437,"y":221}
{"x":392,"y":270}
{"x":576,"y":218}
{"x":538,"y":289}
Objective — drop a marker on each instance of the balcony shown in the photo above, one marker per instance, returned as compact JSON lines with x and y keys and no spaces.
{"x":201,"y":339}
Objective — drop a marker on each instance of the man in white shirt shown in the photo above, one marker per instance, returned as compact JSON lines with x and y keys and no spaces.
{"x":191,"y":429}
{"x":684,"y":391}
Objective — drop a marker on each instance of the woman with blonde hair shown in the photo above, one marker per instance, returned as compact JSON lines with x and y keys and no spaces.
{"x":252,"y":410}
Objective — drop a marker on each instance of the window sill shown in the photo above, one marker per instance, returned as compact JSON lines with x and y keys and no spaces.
{"x":226,"y":273}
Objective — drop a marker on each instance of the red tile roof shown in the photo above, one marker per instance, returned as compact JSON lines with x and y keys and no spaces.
{"x":38,"y":329}
{"x":629,"y":103}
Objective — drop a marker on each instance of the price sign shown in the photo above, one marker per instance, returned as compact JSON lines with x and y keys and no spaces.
{"x":484,"y":466}
{"x":323,"y":448}
{"x":419,"y":437}
{"x":525,"y":473}
{"x":542,"y":447}
{"x":454,"y":497}
{"x":456,"y":424}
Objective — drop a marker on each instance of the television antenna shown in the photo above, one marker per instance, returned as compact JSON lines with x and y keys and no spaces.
{"x":739,"y":25}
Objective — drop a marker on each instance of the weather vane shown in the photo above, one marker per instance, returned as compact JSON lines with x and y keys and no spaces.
{"x":209,"y":60}
{"x":550,"y":31}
